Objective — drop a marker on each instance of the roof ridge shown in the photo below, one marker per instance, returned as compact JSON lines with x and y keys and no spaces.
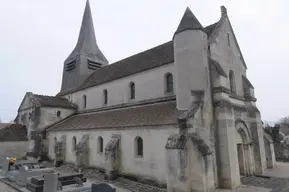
{"x":157,"y":46}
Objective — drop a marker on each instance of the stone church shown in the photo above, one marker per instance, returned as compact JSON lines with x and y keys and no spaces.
{"x":182,"y":114}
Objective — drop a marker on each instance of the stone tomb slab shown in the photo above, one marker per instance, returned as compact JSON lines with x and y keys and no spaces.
{"x":69,"y":188}
{"x":103,"y":187}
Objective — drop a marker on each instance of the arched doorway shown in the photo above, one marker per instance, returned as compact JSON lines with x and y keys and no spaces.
{"x":244,"y":148}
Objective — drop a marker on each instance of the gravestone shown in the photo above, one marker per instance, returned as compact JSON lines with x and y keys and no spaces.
{"x":102,"y":187}
{"x":50,"y":182}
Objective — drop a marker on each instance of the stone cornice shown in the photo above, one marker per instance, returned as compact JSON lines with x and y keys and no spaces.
{"x":222,"y":89}
{"x":227,"y":104}
{"x":131,"y":104}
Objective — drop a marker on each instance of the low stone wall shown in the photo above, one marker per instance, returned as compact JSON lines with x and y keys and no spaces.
{"x":13,"y":148}
{"x":281,"y":152}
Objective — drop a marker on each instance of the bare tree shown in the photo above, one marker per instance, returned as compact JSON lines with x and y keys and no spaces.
{"x":284,"y":122}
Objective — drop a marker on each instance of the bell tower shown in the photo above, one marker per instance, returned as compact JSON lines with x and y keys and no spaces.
{"x":86,"y":56}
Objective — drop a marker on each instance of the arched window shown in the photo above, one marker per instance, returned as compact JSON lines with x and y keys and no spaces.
{"x":100,"y":144}
{"x":105,"y":96}
{"x":73,"y":143}
{"x":84,"y":101}
{"x":232,"y":82}
{"x":132,"y":90}
{"x":58,"y":113}
{"x":169,"y":83}
{"x":139,"y":146}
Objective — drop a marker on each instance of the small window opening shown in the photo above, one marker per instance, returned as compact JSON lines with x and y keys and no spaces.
{"x":73,"y":143}
{"x":105,"y":96}
{"x":58,"y":113}
{"x":100,"y":144}
{"x":132,"y":90}
{"x":139,"y":146}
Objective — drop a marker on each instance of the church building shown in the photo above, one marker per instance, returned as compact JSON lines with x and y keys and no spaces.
{"x":182,"y":114}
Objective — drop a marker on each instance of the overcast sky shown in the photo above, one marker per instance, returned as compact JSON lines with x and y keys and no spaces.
{"x":37,"y":36}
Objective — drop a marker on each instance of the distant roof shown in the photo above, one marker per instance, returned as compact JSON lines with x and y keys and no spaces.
{"x":13,"y":132}
{"x":50,"y":101}
{"x":149,"y":115}
{"x":3,"y":125}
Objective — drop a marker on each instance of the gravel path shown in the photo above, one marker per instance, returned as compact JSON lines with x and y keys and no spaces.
{"x":5,"y":188}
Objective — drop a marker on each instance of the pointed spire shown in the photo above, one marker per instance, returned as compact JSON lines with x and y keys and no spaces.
{"x":189,"y":21}
{"x":86,"y":44}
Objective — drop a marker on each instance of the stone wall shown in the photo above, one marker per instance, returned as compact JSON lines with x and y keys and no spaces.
{"x":118,"y":90}
{"x":281,"y":152}
{"x":13,"y":149}
{"x":150,"y":166}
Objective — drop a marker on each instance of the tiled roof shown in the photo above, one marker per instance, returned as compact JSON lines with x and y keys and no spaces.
{"x":50,"y":101}
{"x":13,"y":132}
{"x":3,"y":125}
{"x":149,"y":115}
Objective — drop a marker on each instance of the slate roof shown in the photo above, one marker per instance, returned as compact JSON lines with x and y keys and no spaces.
{"x":148,"y":115}
{"x":189,"y":21}
{"x":209,"y":29}
{"x":50,"y":101}
{"x":13,"y":132}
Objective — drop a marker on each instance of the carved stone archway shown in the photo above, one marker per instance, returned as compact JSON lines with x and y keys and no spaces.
{"x":244,"y":148}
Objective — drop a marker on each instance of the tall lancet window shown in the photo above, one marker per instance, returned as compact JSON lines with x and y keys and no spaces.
{"x":84,"y":101}
{"x":132,"y":90}
{"x":232,"y":82}
{"x":74,"y":143}
{"x":169,"y":83}
{"x":105,"y":96}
